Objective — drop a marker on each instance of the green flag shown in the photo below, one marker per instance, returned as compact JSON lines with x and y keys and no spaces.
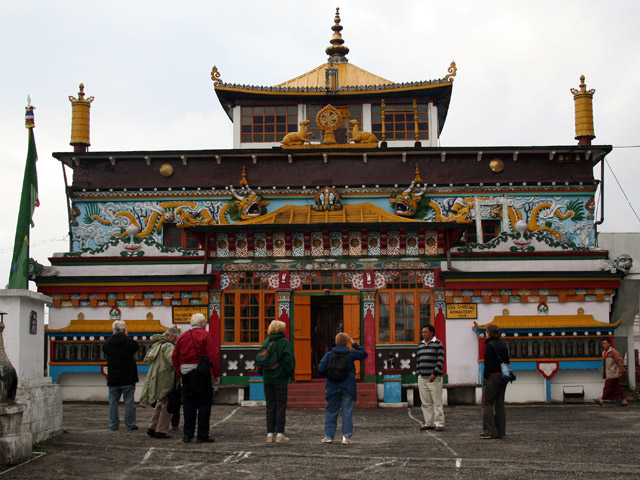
{"x":19,"y":275}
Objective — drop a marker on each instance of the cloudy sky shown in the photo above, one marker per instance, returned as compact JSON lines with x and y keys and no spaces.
{"x":148,"y":65}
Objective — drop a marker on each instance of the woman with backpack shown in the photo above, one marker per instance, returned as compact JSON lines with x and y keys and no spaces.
{"x":340,"y":390}
{"x":277,"y":364}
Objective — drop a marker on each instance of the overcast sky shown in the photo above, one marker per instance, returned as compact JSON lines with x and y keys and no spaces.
{"x":148,"y":65}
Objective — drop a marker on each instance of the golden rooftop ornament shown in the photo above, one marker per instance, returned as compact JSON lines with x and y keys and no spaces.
{"x":583,"y":100}
{"x":215,"y":76}
{"x":80,"y":120}
{"x":337,"y":50}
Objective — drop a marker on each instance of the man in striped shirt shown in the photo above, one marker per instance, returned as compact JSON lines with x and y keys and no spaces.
{"x":430,"y":362}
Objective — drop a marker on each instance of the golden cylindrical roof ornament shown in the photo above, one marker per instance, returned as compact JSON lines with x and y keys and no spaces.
{"x":583,"y":100}
{"x":80,"y":120}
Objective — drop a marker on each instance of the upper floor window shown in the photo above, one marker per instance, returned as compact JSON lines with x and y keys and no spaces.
{"x":490,"y":230}
{"x":399,"y":121}
{"x":268,"y":123}
{"x":348,"y":112}
{"x":179,"y":237}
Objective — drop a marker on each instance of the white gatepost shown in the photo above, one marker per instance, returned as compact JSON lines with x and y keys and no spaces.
{"x":24,"y":341}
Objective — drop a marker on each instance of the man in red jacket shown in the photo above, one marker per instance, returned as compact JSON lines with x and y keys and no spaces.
{"x":197,"y":392}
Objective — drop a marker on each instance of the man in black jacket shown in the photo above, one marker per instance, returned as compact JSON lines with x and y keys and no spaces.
{"x":122,"y":375}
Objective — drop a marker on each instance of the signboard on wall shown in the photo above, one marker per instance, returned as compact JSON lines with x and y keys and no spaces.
{"x":462,"y":310}
{"x":182,"y":314}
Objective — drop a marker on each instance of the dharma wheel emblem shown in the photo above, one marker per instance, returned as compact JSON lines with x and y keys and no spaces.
{"x":329,"y":120}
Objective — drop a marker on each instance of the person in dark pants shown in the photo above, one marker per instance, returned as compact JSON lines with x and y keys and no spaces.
{"x":341,"y":395}
{"x":494,"y":417}
{"x":276,"y":383}
{"x":122,"y":375}
{"x":197,"y":392}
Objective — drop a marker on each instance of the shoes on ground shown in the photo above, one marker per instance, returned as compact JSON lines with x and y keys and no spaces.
{"x":113,"y":428}
{"x":135,"y":427}
{"x":439,"y":429}
{"x":623,"y":404}
{"x":151,"y":432}
{"x":269,"y":438}
{"x":280,"y":438}
{"x":162,"y":435}
{"x":346,"y":441}
{"x":175,"y":428}
{"x":327,"y":440}
{"x":427,"y":427}
{"x":205,"y":440}
{"x":186,"y":439}
{"x":598,"y":402}
{"x":484,"y":436}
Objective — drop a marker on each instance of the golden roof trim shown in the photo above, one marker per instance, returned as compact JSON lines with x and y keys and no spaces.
{"x":80,"y":325}
{"x":514,"y":322}
{"x":306,"y":215}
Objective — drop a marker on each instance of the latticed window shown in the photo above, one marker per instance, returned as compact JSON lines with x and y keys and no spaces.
{"x":179,"y":237}
{"x":399,"y":121}
{"x":327,"y":280}
{"x":267,"y":123}
{"x":246,"y":316}
{"x":401,"y":314}
{"x":490,"y":230}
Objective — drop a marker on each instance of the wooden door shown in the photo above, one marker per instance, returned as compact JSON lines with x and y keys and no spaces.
{"x":302,"y":336}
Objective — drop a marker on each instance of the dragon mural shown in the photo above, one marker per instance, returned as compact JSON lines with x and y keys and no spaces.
{"x":246,"y":206}
{"x":406,"y":203}
{"x":543,"y":212}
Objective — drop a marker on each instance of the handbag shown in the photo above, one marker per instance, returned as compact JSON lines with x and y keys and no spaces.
{"x":507,"y":374}
{"x":204,"y":364}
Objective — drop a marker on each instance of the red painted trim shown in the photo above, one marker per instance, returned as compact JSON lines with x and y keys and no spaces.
{"x":127,"y":261}
{"x":541,"y":283}
{"x":441,"y":333}
{"x":369,"y":341}
{"x":117,"y":289}
{"x":520,"y":255}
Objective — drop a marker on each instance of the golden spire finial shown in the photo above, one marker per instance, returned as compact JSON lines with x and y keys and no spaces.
{"x":583,"y":100}
{"x":243,"y":180}
{"x":80,"y":112}
{"x":417,"y":178}
{"x":337,"y":50}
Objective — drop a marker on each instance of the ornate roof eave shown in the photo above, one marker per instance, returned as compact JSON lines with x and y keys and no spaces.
{"x":346,"y":90}
{"x":104,"y":327}
{"x":440,"y":90}
{"x":547,"y":323}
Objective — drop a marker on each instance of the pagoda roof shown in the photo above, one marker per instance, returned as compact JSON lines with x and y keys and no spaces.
{"x":337,"y":77}
{"x":349,"y":74}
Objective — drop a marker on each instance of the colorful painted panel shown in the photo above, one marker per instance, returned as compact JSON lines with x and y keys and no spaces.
{"x":297,"y":244}
{"x":260,"y":244}
{"x":317,"y":244}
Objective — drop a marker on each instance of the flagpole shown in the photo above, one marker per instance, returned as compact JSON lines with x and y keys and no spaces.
{"x":19,"y":272}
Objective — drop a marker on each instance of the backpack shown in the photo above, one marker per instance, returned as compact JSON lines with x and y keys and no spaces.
{"x":338,"y":367}
{"x":267,"y":359}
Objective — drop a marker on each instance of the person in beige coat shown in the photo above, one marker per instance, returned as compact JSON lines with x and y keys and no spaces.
{"x":612,"y":369}
{"x":160,"y":381}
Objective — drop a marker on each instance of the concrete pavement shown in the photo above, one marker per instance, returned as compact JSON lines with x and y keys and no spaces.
{"x":543,"y":441}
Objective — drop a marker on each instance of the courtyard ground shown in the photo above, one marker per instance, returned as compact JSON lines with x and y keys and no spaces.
{"x":543,"y":441}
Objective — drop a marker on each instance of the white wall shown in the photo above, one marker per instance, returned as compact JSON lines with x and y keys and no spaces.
{"x":91,"y":387}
